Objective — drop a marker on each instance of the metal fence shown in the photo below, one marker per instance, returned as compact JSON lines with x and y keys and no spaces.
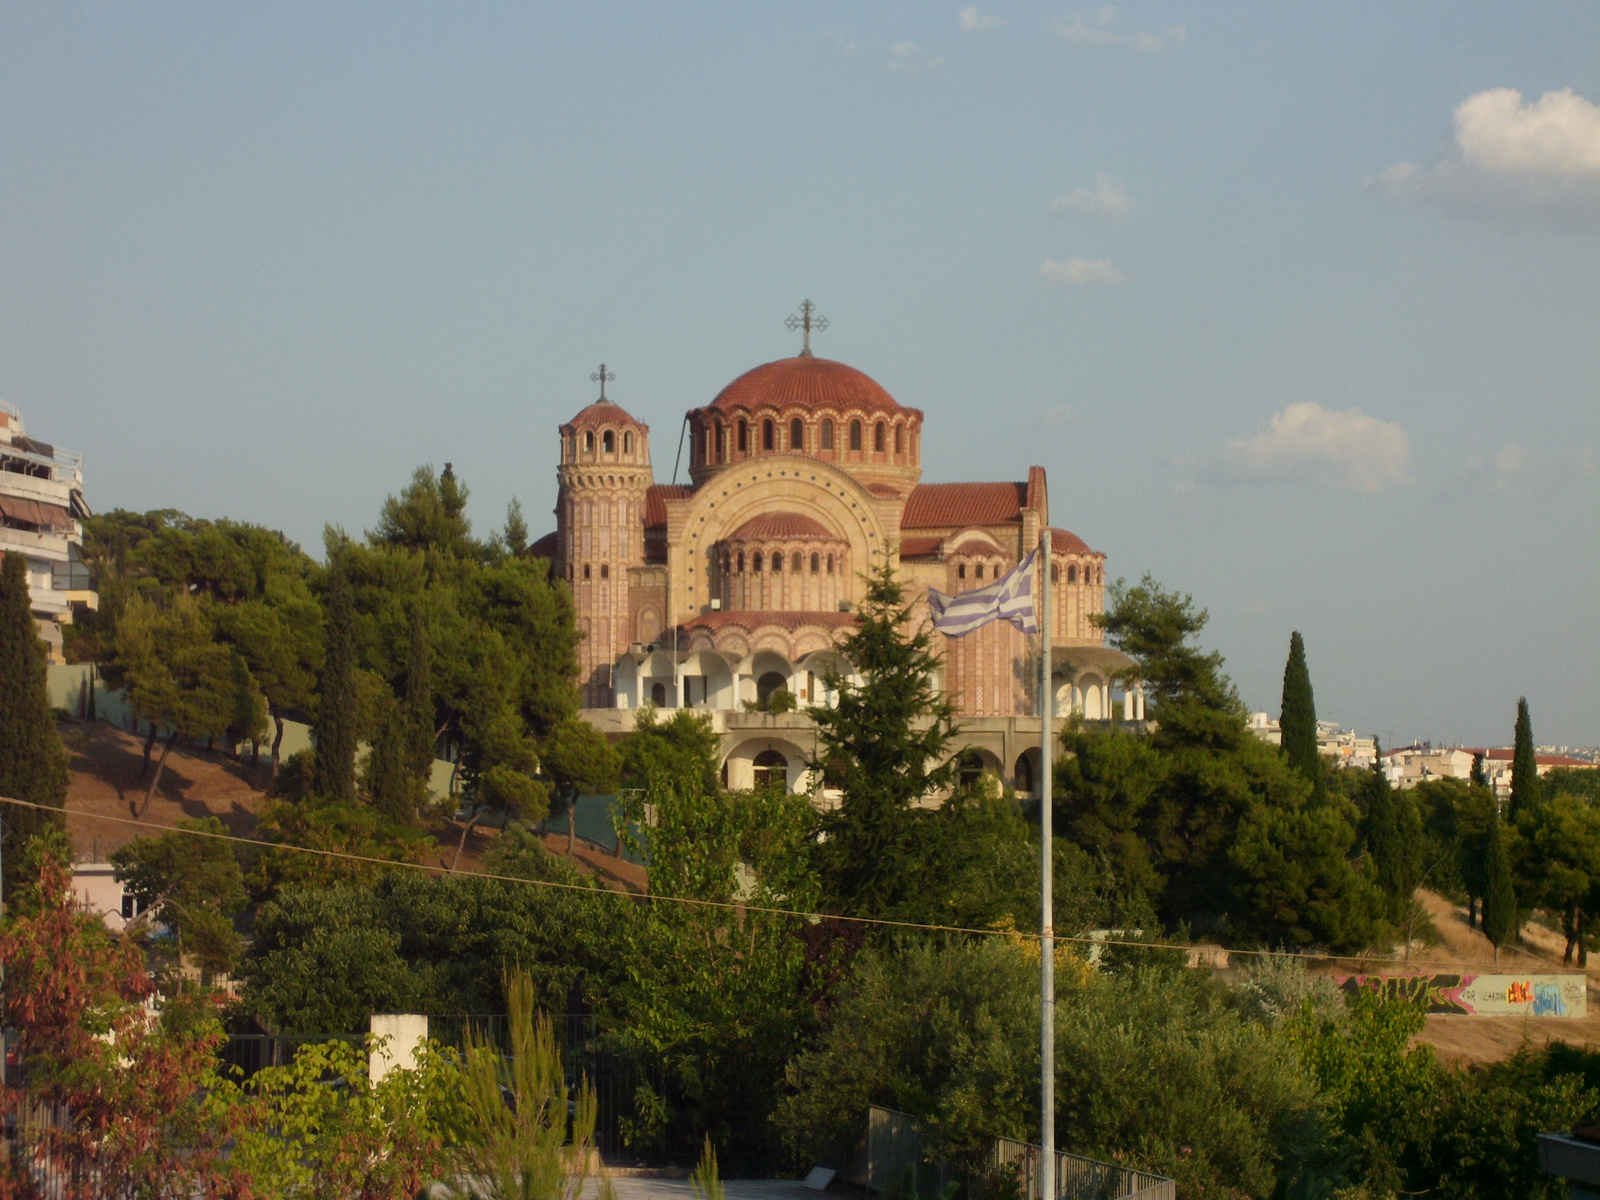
{"x":1077,"y":1178}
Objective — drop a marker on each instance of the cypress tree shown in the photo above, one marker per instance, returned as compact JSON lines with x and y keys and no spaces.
{"x":1499,"y":898}
{"x":1298,"y":720}
{"x":33,"y":766}
{"x":1524,"y":767}
{"x":1478,"y":777}
{"x":339,"y":704}
{"x":417,"y":710}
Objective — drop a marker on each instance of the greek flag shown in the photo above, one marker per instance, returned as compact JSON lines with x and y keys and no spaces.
{"x":1008,"y":599}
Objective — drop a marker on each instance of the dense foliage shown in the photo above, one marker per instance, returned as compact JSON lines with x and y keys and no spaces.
{"x":33,"y":767}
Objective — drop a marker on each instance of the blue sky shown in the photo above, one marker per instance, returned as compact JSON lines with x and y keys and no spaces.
{"x":1297,"y":303}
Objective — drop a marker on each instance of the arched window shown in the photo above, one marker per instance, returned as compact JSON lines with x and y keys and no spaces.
{"x":1055,"y":573}
{"x":605,"y":570}
{"x":771,"y":768}
{"x":627,"y":443}
{"x":878,"y":437}
{"x":797,"y":564}
{"x":720,"y":446}
{"x":608,"y":442}
{"x":725,"y":564}
{"x":827,"y":433}
{"x":741,"y":562}
{"x":767,"y":436}
{"x":744,"y":435}
{"x":797,"y":434}
{"x":588,"y":441}
{"x":755,"y":562}
{"x":855,"y":435}
{"x":658,"y":694}
{"x":586,"y":570}
{"x":815,"y":562}
{"x":777,"y":561}
{"x":1024,"y":774}
{"x":705,"y":445}
{"x":1072,"y":575}
{"x":830,"y":564}
{"x":971,"y":768}
{"x":961,"y":573}
{"x":980,"y":570}
{"x":572,"y":446}
{"x":899,"y":439}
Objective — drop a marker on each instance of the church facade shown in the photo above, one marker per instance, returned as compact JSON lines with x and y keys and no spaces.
{"x":804,"y":474}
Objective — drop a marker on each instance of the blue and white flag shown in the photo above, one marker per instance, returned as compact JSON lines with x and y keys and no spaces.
{"x":1010,"y":598}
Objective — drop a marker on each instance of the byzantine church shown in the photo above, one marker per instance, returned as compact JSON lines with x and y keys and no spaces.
{"x":716,"y":594}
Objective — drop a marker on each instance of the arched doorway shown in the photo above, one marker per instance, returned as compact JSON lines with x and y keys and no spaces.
{"x":658,"y":695}
{"x":970,"y":768}
{"x":1024,"y":774}
{"x":771,"y":769}
{"x":771,"y":682}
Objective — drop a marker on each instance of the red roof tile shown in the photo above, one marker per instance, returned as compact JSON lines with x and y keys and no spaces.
{"x":919,"y":547}
{"x":602,"y":412}
{"x":783,"y":525}
{"x":655,"y":501}
{"x":951,"y":505}
{"x":545,"y":547}
{"x":753,"y":619}
{"x":1065,"y":542}
{"x":806,"y":382}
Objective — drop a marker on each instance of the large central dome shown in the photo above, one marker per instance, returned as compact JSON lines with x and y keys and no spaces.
{"x":806,"y":382}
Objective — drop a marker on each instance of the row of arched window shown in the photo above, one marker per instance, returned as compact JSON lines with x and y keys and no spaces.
{"x":1055,"y":572}
{"x":607,"y":441}
{"x":733,"y":564}
{"x":714,"y":439}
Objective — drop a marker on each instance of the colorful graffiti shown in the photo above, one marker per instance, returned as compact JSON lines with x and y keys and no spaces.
{"x":1479,"y":995}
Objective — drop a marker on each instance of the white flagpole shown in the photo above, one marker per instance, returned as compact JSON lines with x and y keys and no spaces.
{"x":1047,"y":941}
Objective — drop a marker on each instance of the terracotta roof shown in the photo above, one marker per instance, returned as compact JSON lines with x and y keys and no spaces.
{"x":808,"y":383}
{"x":783,"y":525}
{"x":975,"y":546}
{"x":753,"y":619}
{"x":1038,"y":495}
{"x":545,"y":547}
{"x":919,"y":547}
{"x":603,"y":412}
{"x":656,"y":497}
{"x":945,"y":505}
{"x":1065,"y":542}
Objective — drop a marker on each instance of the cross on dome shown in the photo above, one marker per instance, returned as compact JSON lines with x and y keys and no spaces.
{"x":804,"y":320}
{"x":603,"y":376}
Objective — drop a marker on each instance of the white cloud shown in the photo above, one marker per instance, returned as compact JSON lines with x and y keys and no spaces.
{"x":1078,"y":271}
{"x":1514,"y":160}
{"x":1309,"y":444}
{"x":1108,"y":199}
{"x":909,"y":57}
{"x":1097,"y":29}
{"x":973,"y":21}
{"x":1514,"y":474}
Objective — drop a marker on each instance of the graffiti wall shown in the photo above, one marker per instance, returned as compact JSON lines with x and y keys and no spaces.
{"x":1480,"y":995}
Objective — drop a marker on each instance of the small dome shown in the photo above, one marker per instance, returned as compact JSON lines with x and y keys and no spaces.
{"x":602,"y":412}
{"x":782,"y":525}
{"x":806,"y":382}
{"x":1063,"y":542}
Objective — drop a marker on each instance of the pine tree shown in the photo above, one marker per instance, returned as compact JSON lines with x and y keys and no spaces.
{"x":418,"y":707}
{"x":1298,"y":720}
{"x":1499,"y":899}
{"x":515,"y":535}
{"x":886,"y":747}
{"x":33,"y":766}
{"x":339,"y":704}
{"x":1524,"y":767}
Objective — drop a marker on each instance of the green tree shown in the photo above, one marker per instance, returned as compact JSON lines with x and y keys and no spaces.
{"x":337,"y":729}
{"x":1478,"y":777}
{"x":248,"y":722}
{"x":33,"y":766}
{"x":430,"y":514}
{"x":684,"y":744}
{"x":1394,"y":837}
{"x":1500,"y":916}
{"x":581,"y":762}
{"x":1561,"y":866}
{"x":1298,"y":721}
{"x":193,"y":886}
{"x":515,"y":535}
{"x":1524,"y":766}
{"x":175,"y":673}
{"x":1108,"y":782}
{"x":886,"y":746}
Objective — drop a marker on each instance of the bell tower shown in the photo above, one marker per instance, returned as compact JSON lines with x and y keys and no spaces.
{"x":603,"y":479}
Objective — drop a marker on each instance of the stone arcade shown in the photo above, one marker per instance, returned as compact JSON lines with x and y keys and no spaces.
{"x":803,"y":474}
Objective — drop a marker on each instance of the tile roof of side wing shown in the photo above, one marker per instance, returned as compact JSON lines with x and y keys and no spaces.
{"x":656,"y":497}
{"x":952,"y":505}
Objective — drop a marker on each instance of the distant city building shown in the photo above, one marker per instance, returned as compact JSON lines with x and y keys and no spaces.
{"x":1334,"y":741}
{"x":1407,"y":766}
{"x":101,"y":893}
{"x":41,"y":514}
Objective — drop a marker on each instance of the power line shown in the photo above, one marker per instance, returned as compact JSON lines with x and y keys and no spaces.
{"x":731,"y":905}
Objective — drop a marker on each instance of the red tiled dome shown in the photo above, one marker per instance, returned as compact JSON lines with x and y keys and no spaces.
{"x":1064,"y":542}
{"x":781,"y":525}
{"x":806,"y":382}
{"x":602,"y":412}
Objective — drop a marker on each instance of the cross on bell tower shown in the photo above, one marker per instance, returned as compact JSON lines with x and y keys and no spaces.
{"x":604,"y":377}
{"x":804,"y":320}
